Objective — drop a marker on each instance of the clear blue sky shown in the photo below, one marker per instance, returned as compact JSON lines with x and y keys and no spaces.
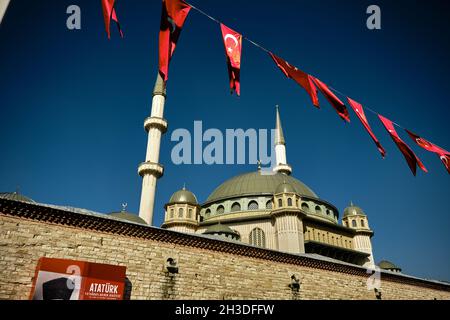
{"x":72,"y":106}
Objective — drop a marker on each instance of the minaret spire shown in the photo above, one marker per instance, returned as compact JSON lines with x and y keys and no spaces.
{"x":280,"y":148}
{"x":279,"y":137}
{"x":151,"y":170}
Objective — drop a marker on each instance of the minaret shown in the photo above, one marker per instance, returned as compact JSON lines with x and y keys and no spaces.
{"x":280,"y":149}
{"x":151,"y":170}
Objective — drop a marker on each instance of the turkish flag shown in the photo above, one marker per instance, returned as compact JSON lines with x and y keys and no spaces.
{"x":359,"y":110}
{"x":302,"y":78}
{"x":409,"y":155}
{"x":174,"y":13}
{"x":427,"y":145}
{"x":233,"y":49}
{"x":109,"y":12}
{"x":337,"y":104}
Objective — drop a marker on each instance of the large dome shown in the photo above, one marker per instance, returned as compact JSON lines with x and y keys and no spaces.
{"x":257,"y":183}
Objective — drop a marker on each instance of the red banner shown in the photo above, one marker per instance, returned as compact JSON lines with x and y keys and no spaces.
{"x":337,"y":104}
{"x":359,"y":110}
{"x":302,"y":78}
{"x":427,"y":145}
{"x":410,"y":157}
{"x":232,"y":41}
{"x":173,"y":16}
{"x":61,"y":279}
{"x":109,"y":13}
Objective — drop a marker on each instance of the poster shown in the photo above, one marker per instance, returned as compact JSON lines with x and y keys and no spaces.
{"x":62,"y":279}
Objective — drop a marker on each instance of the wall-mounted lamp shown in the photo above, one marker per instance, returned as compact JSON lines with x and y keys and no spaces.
{"x":172,"y":265}
{"x":377,"y":293}
{"x":295,"y":283}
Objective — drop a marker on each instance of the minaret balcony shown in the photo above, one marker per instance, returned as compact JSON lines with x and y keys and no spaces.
{"x":151,"y":168}
{"x":155,"y":122}
{"x":283,"y":168}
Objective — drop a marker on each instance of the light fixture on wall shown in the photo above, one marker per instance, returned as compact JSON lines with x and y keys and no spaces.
{"x":295,"y":284}
{"x":377,"y":293}
{"x":172,"y":265}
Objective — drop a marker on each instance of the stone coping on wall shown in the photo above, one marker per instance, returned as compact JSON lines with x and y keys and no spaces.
{"x":90,"y":220}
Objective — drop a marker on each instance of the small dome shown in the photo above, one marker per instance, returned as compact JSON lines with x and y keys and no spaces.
{"x":183,"y":196}
{"x":15,"y":196}
{"x":353,"y":211}
{"x":285,"y":188}
{"x":219,"y":228}
{"x":387,"y":265}
{"x":127,"y":216}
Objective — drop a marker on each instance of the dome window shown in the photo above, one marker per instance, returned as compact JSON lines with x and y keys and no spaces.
{"x":235,"y":207}
{"x":208,"y":212}
{"x":257,"y":238}
{"x":220,"y":209}
{"x":172,"y":213}
{"x":269,"y":204}
{"x":354,"y":224}
{"x":290,"y":202}
{"x":253,"y":205}
{"x":280,"y":203}
{"x":362,"y":223}
{"x":318,"y":210}
{"x":305,"y":206}
{"x":190,"y":214}
{"x":180,"y":213}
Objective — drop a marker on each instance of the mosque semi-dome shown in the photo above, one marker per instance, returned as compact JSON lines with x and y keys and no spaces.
{"x":353,"y":210}
{"x":15,"y":196}
{"x":127,"y":216}
{"x":184,"y":196}
{"x":285,"y":188}
{"x":387,"y":265}
{"x":257,"y":183}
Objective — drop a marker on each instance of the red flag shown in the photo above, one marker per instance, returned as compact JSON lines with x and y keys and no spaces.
{"x":409,"y":155}
{"x":174,"y":13}
{"x":427,"y":145}
{"x":233,"y":49}
{"x":337,"y":104}
{"x":109,"y":13}
{"x":359,"y":110}
{"x":302,"y":78}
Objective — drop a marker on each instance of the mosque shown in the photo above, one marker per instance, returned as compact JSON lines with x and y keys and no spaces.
{"x":276,"y":211}
{"x":271,"y":210}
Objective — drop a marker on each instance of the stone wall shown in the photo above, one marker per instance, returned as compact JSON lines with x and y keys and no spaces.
{"x":203,"y":273}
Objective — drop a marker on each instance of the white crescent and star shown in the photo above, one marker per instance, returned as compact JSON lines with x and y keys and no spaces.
{"x":235,"y":40}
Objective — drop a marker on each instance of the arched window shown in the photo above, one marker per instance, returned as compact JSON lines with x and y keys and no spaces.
{"x":362,"y":223}
{"x":328,"y":212}
{"x":354,"y":223}
{"x":253,"y":205}
{"x":290,"y":202}
{"x":269,"y":204}
{"x":305,"y":206}
{"x":190,"y":213}
{"x":172,"y":212}
{"x":235,"y":207}
{"x":280,"y":203}
{"x":208,"y":212}
{"x":318,"y":210}
{"x":220,"y":209}
{"x":345,"y":223}
{"x":180,"y":213}
{"x":257,"y":238}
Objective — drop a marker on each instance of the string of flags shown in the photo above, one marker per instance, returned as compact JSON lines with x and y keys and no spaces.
{"x":173,"y":17}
